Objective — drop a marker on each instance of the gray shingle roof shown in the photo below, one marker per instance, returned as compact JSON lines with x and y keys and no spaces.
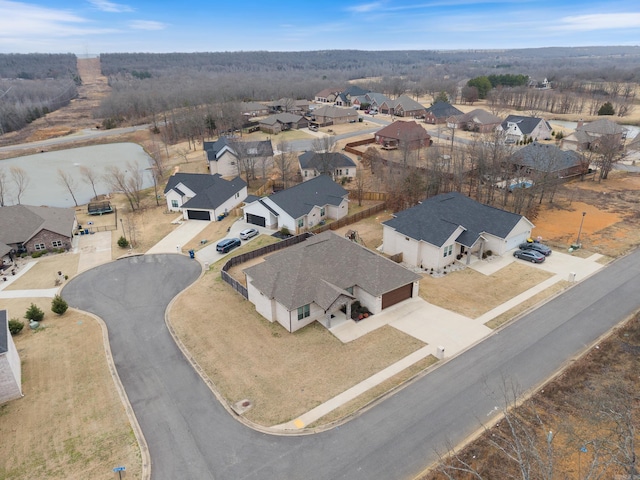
{"x":443,"y":110}
{"x":298,"y":200}
{"x":331,"y":111}
{"x":545,"y":158}
{"x":525,"y":124}
{"x":321,"y":268}
{"x":319,"y":161}
{"x":602,"y":126}
{"x":211,"y":190}
{"x":437,"y":218}
{"x":284,"y":117}
{"x":407,"y":104}
{"x":19,"y":223}
{"x":479,"y":116}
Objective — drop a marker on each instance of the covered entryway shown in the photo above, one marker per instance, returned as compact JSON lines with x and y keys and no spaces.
{"x":256,"y":220}
{"x":397,"y":295}
{"x":198,"y":215}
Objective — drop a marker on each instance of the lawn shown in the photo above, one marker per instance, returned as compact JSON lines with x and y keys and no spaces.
{"x":45,"y":271}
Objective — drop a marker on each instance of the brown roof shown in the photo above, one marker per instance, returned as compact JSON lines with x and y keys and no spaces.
{"x":405,"y":131}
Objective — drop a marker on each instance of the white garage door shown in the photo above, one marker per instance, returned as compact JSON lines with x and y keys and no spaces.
{"x":513,"y":242}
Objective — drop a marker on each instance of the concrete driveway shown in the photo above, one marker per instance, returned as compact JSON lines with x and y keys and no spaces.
{"x":173,"y":242}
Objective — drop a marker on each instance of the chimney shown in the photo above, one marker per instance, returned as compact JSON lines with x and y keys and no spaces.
{"x":580,"y":123}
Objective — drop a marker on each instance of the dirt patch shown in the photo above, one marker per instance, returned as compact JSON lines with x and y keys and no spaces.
{"x":70,"y":423}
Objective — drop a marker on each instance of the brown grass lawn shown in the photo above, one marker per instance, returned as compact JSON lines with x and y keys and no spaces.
{"x":45,"y":272}
{"x":470,"y":293}
{"x":247,"y":357}
{"x":70,"y":423}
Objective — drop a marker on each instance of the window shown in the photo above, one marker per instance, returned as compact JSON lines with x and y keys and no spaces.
{"x":304,"y":312}
{"x":350,"y":290}
{"x":306,"y":173}
{"x":174,"y":204}
{"x":322,"y":212}
{"x":56,"y":243}
{"x":237,"y":195}
{"x":301,"y":223}
{"x":39,"y":246}
{"x":448,"y":250}
{"x":346,"y":172}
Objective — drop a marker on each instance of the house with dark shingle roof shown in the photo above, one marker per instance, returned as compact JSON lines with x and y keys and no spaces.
{"x":224,"y":156}
{"x":10,"y":367}
{"x":403,"y":134}
{"x":588,"y":135}
{"x":203,"y":197}
{"x":301,"y":207}
{"x":517,"y":127}
{"x":435,"y":232}
{"x":544,"y":160}
{"x":335,"y":164}
{"x":332,"y":115}
{"x":313,"y":279}
{"x":281,"y":122}
{"x":439,"y":112}
{"x":28,"y":228}
{"x":403,"y":106}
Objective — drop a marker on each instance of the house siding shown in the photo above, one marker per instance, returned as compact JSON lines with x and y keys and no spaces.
{"x":48,"y":237}
{"x":373,"y":303}
{"x":10,"y":373}
{"x":264,"y":306}
{"x":226,"y":165}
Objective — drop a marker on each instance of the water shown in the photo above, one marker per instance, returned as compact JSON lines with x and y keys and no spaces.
{"x":45,"y":187}
{"x":632,"y":130}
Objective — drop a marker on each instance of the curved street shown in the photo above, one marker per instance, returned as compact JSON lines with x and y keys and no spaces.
{"x":190,"y":435}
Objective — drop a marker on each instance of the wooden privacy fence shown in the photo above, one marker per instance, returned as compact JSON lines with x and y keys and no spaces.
{"x":351,"y":147}
{"x":237,"y":286}
{"x":348,"y":220}
{"x":375,"y":196}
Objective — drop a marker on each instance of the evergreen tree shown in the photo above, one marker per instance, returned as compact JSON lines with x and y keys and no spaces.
{"x":59,"y":305}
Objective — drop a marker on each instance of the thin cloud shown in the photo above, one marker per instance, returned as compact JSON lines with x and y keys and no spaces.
{"x":365,"y":7}
{"x":107,"y":6}
{"x":601,"y":21}
{"x":147,"y":25}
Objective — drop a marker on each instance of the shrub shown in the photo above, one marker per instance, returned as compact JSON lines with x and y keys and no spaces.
{"x":34,"y":313}
{"x":606,"y":109}
{"x":489,"y":253}
{"x":59,"y":305}
{"x":285,"y":231}
{"x":15,"y":326}
{"x":38,"y":254}
{"x":123,"y":242}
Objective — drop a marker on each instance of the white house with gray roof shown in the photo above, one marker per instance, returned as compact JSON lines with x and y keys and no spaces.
{"x":225,"y":155}
{"x":10,"y":368}
{"x":435,"y":232}
{"x":301,"y":207}
{"x":517,"y":127}
{"x":203,"y":197}
{"x":313,"y":279}
{"x":335,"y":164}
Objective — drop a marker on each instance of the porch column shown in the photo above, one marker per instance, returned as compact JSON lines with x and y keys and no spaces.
{"x":348,"y":310}
{"x":328,"y":315}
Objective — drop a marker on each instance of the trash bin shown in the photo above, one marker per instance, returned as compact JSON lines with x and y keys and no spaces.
{"x":192,"y":253}
{"x":86,"y":231}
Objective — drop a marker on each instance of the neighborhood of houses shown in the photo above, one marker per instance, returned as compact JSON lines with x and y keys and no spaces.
{"x":326,"y":274}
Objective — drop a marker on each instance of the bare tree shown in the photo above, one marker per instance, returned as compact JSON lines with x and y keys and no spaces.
{"x":128,"y":182}
{"x":69,"y":182}
{"x":90,"y":177}
{"x":21,"y":180}
{"x":3,"y":186}
{"x":284,"y":162}
{"x":609,"y":152}
{"x":360,"y":183}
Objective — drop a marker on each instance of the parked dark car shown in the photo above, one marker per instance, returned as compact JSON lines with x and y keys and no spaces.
{"x":227,"y":244}
{"x":529,"y":255}
{"x":538,"y":247}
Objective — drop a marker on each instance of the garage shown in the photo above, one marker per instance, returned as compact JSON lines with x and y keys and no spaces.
{"x":198,"y":215}
{"x":516,"y":240}
{"x":397,"y":295}
{"x":256,"y":220}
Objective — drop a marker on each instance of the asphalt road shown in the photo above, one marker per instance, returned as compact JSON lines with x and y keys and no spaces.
{"x":191,"y":436}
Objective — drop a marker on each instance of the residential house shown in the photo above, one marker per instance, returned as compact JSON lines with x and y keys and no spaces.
{"x":477,"y":120}
{"x":203,"y":197}
{"x":328,"y":95}
{"x":438,"y":113}
{"x":344,"y":97}
{"x":253,"y":109}
{"x":225,"y":155}
{"x":517,"y":128}
{"x":299,"y":107}
{"x":300,"y":207}
{"x":545,"y":160}
{"x":332,"y":115}
{"x":371,"y":100}
{"x":25,"y":228}
{"x":587,"y":136}
{"x":10,"y":367}
{"x":403,"y":106}
{"x":314,"y":279}
{"x":401,"y":134}
{"x":450,"y":226}
{"x":281,"y":122}
{"x":336,"y":165}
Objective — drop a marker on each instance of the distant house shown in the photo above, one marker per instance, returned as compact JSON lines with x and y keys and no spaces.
{"x":344,"y":98}
{"x":403,"y":106}
{"x":25,"y":228}
{"x":516,"y":128}
{"x":253,"y":109}
{"x":10,"y":367}
{"x":290,"y":105}
{"x":371,"y":100}
{"x":301,"y":207}
{"x":401,"y":134}
{"x":439,"y":112}
{"x":314,"y":279}
{"x":224,"y":155}
{"x":328,"y":95}
{"x":203,"y":197}
{"x":332,"y":115}
{"x":543,"y":160}
{"x":434,"y":233}
{"x":588,"y":135}
{"x":477,"y":120}
{"x":336,"y":165}
{"x":281,"y":122}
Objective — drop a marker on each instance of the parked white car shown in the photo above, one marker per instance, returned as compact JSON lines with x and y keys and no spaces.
{"x":247,"y":233}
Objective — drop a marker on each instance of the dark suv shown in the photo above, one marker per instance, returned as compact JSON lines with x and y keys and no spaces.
{"x":538,"y":247}
{"x":227,"y":244}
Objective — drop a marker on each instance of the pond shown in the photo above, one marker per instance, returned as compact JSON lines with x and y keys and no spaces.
{"x":44,"y":184}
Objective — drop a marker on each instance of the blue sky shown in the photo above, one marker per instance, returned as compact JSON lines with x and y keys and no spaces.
{"x":100,"y":26}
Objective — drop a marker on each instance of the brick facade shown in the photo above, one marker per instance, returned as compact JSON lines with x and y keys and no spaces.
{"x":47,"y":237}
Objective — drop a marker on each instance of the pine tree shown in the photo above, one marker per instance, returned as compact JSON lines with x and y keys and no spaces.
{"x":59,"y":305}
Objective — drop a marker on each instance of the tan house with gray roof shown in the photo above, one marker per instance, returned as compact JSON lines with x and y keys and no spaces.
{"x":312,"y":280}
{"x":26,"y":228}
